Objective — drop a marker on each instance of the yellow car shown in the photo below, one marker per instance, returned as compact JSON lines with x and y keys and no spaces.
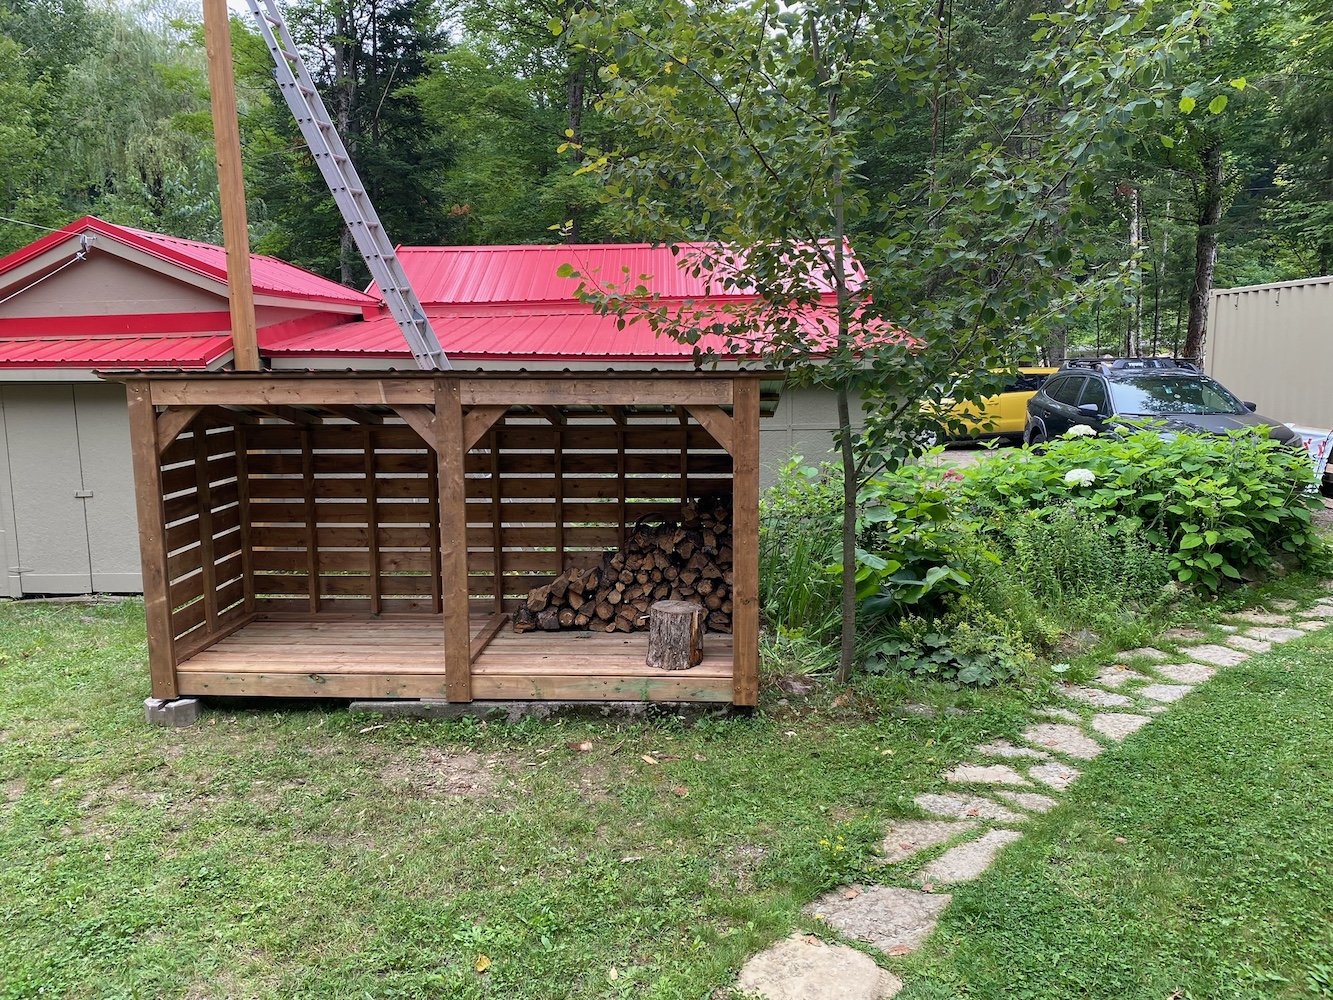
{"x":1005,"y":414}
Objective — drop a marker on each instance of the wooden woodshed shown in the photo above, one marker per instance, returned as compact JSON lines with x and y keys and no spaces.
{"x":368,"y":535}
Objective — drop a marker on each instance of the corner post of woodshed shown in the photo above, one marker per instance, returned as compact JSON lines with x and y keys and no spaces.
{"x":152,"y":538}
{"x":745,"y":540}
{"x":451,"y":452}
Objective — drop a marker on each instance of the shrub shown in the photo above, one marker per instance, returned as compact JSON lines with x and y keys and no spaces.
{"x":800,"y":535}
{"x":1216,"y":505}
{"x":969,"y":644}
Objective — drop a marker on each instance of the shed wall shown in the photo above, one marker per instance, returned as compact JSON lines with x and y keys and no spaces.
{"x":1273,"y":345}
{"x":803,"y":424}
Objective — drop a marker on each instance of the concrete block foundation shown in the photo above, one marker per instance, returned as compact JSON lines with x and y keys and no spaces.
{"x":175,"y":713}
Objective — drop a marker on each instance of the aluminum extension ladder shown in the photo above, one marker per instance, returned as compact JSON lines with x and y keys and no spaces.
{"x":298,"y":88}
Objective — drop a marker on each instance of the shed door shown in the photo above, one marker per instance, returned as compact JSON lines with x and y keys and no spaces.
{"x":72,"y":493}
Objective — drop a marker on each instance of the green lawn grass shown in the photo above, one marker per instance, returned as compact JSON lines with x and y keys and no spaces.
{"x":1223,"y":885}
{"x":299,"y":851}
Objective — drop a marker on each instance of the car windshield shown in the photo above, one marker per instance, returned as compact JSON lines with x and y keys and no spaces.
{"x":1157,"y":396}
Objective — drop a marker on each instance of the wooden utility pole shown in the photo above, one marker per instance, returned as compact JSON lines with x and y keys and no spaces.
{"x":231,"y":184}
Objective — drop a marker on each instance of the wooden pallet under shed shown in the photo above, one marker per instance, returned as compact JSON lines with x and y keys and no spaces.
{"x":365,"y":535}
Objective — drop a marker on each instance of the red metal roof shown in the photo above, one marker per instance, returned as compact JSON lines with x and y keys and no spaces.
{"x":270,"y":275}
{"x":178,"y":351}
{"x":527,"y":274}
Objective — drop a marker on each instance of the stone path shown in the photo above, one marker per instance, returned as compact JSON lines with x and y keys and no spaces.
{"x":996,"y":792}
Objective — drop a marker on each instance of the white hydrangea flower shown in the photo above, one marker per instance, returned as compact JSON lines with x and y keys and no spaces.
{"x":1080,"y":477}
{"x":1081,"y":431}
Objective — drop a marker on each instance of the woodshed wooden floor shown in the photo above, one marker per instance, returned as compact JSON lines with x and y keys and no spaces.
{"x":404,"y":659}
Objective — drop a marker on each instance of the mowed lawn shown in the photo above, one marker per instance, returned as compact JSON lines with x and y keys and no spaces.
{"x":1193,"y":863}
{"x":298,"y":851}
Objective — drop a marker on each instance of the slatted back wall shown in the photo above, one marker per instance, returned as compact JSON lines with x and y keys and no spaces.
{"x":202,"y":504}
{"x":344,"y":520}
{"x":544,"y":497}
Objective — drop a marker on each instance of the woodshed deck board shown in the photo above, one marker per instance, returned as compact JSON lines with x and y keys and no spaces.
{"x":404,"y":659}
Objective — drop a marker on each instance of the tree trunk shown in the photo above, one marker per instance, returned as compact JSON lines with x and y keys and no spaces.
{"x":1134,"y":346}
{"x":574,"y":97}
{"x":847,"y":648}
{"x":1205,"y":249}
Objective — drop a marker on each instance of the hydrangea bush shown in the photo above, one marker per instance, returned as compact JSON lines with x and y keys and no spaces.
{"x":1220,"y":506}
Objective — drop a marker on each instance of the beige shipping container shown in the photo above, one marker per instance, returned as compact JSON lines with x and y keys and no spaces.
{"x":1273,"y":345}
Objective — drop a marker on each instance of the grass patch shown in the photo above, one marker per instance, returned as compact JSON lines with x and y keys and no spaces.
{"x":295,"y":850}
{"x":1223,"y":885}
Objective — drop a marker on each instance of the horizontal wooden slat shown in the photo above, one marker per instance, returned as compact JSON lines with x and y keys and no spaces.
{"x":390,"y":487}
{"x":345,"y":438}
{"x":396,"y":536}
{"x":295,"y":391}
{"x":623,"y":391}
{"x":586,"y":488}
{"x":185,"y":618}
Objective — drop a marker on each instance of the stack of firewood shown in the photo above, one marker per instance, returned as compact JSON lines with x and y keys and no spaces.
{"x":689,"y":561}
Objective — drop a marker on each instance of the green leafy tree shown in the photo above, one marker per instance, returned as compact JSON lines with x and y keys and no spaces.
{"x":757,"y":111}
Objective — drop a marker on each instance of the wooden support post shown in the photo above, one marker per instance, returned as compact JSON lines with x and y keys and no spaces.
{"x":372,"y":522}
{"x":152,"y":540}
{"x":207,"y":556}
{"x":449,"y":446}
{"x":433,"y":491}
{"x":745,"y":541}
{"x":497,"y":526}
{"x":558,"y":461}
{"x":231,"y":184}
{"x":243,"y":496}
{"x":311,"y":515}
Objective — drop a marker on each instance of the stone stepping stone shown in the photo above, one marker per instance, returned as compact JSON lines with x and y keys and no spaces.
{"x":893,"y":920}
{"x":1096,"y":697}
{"x":969,"y":861}
{"x":1165,"y":692}
{"x":1186,"y":673}
{"x":1323,"y":611}
{"x":1249,"y":645}
{"x":1118,"y":674}
{"x":1118,"y":725}
{"x":1310,"y":625}
{"x":1147,"y":653}
{"x":1057,"y":776}
{"x":1283,"y":605}
{"x":1218,"y":656}
{"x":1274,"y":634}
{"x":802,"y":967}
{"x":1068,"y":740}
{"x":911,"y":836}
{"x":1182,"y":633}
{"x":1005,"y":749}
{"x":1227,"y":628}
{"x":985,"y":774}
{"x":966,"y":807}
{"x":1260,"y":618}
{"x":1031,"y":801}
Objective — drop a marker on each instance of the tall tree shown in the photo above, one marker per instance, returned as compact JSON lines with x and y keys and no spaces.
{"x":755,"y":110}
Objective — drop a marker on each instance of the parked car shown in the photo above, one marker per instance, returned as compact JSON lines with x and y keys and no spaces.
{"x":1004,"y":414}
{"x":1093,"y":393}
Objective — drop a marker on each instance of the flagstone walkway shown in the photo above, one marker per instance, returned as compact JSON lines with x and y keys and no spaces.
{"x":990,"y":799}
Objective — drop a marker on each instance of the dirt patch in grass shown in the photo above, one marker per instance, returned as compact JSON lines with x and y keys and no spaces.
{"x":441,"y":774}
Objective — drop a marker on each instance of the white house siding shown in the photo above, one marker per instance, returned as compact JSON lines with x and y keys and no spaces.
{"x":803,"y":424}
{"x":68,"y":501}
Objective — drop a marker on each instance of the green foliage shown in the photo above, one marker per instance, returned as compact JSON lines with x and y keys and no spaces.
{"x":1219,"y":506}
{"x":909,"y":538}
{"x":969,"y":645}
{"x":799,"y":538}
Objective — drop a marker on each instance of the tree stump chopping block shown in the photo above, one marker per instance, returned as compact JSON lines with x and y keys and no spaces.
{"x":675,"y":635}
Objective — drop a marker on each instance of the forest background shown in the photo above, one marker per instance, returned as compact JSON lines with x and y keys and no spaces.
{"x":460,"y":116}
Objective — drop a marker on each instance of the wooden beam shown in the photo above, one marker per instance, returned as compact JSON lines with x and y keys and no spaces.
{"x":719,"y":426}
{"x":449,"y":445}
{"x":551,"y":413}
{"x":421,"y":419}
{"x":488,"y":632}
{"x":594,"y":392}
{"x":478,"y":421}
{"x":359,"y":414}
{"x":290,"y":414}
{"x":745,"y":543}
{"x":231,"y":184}
{"x":144,"y":453}
{"x":292,"y":390}
{"x":172,"y":422}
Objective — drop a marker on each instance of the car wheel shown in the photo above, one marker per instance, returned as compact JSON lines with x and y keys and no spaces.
{"x":1036,"y":438}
